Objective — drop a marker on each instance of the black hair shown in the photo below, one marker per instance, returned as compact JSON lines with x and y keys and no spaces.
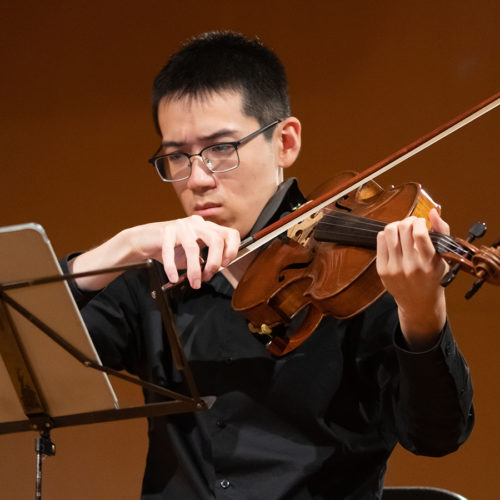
{"x":223,"y":60}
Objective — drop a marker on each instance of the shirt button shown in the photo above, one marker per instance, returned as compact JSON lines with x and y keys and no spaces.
{"x":220,"y":423}
{"x":224,"y":483}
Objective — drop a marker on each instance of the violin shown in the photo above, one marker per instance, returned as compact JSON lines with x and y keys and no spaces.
{"x":321,"y":257}
{"x":326,"y":262}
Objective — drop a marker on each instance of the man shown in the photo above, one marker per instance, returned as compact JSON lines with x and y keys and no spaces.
{"x":322,"y":421}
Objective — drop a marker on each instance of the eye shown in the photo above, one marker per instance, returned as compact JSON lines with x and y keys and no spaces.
{"x":175,"y":157}
{"x":223,"y":148}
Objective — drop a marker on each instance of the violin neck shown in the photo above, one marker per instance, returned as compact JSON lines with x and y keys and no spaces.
{"x":352,"y":230}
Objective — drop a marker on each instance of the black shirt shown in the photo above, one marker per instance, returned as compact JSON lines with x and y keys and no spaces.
{"x":318,"y":423}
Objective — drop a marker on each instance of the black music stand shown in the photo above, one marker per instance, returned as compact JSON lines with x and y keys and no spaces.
{"x":37,"y":397}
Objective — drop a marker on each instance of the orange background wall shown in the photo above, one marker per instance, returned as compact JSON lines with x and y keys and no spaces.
{"x":365,"y":79}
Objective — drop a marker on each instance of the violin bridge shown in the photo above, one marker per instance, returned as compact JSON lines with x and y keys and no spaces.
{"x":302,"y":231}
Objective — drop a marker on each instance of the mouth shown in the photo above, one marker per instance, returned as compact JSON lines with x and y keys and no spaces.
{"x":207,"y":209}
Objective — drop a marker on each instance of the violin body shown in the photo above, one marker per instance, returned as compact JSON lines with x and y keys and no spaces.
{"x":336,"y":277}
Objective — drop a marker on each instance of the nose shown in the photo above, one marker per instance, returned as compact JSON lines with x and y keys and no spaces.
{"x":200,"y":177}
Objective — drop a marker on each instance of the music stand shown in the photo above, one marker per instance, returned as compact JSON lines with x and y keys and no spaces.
{"x":35,"y":298}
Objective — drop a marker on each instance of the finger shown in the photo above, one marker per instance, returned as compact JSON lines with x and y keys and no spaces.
{"x":422,"y":241}
{"x":180,"y":249}
{"x":391,"y":236}
{"x":215,"y":244}
{"x":169,"y":255}
{"x":188,"y":240}
{"x":430,"y":259}
{"x":406,"y":237}
{"x":231,"y":247}
{"x":416,"y":245}
{"x":382,"y":253}
{"x":437,"y":223}
{"x":223,"y":245}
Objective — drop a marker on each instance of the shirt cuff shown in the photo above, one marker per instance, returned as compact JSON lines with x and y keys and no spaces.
{"x":444,"y":347}
{"x":434,"y":366}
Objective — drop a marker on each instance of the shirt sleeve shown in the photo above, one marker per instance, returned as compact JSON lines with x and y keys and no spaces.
{"x":113,"y":322}
{"x":82,"y":297}
{"x":434,"y":412}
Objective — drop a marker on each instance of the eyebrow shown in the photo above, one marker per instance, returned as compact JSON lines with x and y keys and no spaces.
{"x":205,"y":138}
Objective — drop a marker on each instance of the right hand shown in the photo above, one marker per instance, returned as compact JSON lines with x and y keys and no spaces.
{"x":177,"y":244}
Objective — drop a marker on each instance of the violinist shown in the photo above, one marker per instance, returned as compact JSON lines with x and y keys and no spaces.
{"x":321,"y":421}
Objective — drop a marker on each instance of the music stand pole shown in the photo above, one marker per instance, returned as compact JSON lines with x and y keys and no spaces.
{"x":43,"y":447}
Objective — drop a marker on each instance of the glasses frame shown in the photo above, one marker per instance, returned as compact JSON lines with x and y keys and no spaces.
{"x":235,"y":145}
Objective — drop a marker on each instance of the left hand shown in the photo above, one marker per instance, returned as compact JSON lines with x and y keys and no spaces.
{"x":411,"y":271}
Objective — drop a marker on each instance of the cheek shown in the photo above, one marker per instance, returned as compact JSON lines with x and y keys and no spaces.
{"x":258,"y":176}
{"x":183,"y":195}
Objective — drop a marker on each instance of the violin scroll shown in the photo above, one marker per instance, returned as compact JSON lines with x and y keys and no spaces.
{"x":482,"y":262}
{"x":487,"y":265}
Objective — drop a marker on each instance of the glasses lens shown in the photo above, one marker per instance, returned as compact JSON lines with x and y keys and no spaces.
{"x":221,"y":157}
{"x":173,"y":167}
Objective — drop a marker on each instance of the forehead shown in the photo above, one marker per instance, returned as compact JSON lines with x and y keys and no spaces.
{"x":205,"y":100}
{"x":202,"y":115}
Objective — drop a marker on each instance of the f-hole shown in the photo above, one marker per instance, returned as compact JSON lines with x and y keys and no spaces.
{"x":342,"y":207}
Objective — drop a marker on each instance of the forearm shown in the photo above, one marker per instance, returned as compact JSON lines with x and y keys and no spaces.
{"x":114,"y":252}
{"x":176,"y":244}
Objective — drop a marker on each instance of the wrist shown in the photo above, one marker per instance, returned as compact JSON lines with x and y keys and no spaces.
{"x":141,"y":242}
{"x":128,"y":245}
{"x":422,"y":324}
{"x":114,"y":252}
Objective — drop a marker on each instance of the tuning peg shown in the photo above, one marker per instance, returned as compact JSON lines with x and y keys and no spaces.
{"x":450,"y":275}
{"x":477,"y":230}
{"x":475,"y":287}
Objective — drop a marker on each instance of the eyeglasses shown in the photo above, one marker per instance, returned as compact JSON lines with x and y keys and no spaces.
{"x":220,"y":157}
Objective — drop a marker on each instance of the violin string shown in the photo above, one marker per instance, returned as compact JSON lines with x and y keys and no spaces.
{"x":351,"y":221}
{"x":444,"y":242}
{"x":440,"y":241}
{"x":363,"y":225}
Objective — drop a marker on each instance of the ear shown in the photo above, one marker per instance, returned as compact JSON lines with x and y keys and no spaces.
{"x":289,"y":141}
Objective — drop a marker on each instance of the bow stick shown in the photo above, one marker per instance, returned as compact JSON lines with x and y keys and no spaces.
{"x":270,"y":232}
